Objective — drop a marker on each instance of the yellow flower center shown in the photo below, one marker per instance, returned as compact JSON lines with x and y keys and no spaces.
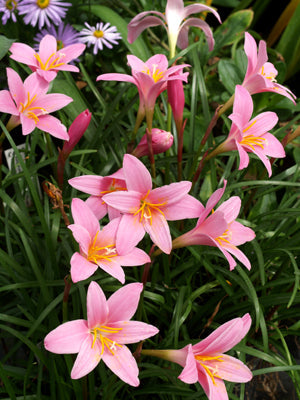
{"x":98,"y":34}
{"x":251,"y":140}
{"x":224,"y":238}
{"x":43,"y":3}
{"x":114,"y":187}
{"x":28,"y":111}
{"x":50,"y":62}
{"x":210,"y":364}
{"x":11,"y":5}
{"x":156,"y":74}
{"x":146,"y":208}
{"x":100,"y":334}
{"x":271,"y":75}
{"x":97,"y":253}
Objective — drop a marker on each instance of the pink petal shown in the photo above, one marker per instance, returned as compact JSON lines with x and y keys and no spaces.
{"x":67,"y":338}
{"x":116,"y":77}
{"x":123,"y":303}
{"x":88,"y":358}
{"x":261,"y":154}
{"x":123,"y":364}
{"x":189,"y":373}
{"x":240,"y":234}
{"x":137,"y":25}
{"x":216,"y":390}
{"x":198,"y":8}
{"x":48,"y":76}
{"x":272,"y":146}
{"x":126,"y":202}
{"x":53,"y":101}
{"x":242,"y":106}
{"x":113,"y":268}
{"x":48,"y":46}
{"x":52,"y":125}
{"x":170,"y":194}
{"x":130,"y":233}
{"x":81,"y":268}
{"x":132,"y":331}
{"x":251,"y":52}
{"x":23,"y":53}
{"x":231,"y":208}
{"x":158,"y":60}
{"x":97,"y":206}
{"x":137,"y":176}
{"x":90,"y":184}
{"x":159,"y":232}
{"x":223,"y":338}
{"x":182,"y":40}
{"x":35,"y":85}
{"x":70,"y":52}
{"x":233,"y":370}
{"x":108,"y":233}
{"x":28,"y":124}
{"x":244,"y":158}
{"x":262,"y":123}
{"x":187,"y":207}
{"x":97,"y":306}
{"x":82,"y":237}
{"x":113,"y":213}
{"x":214,"y":226}
{"x":84,"y":217}
{"x":6,"y":103}
{"x":135,"y":257}
{"x":16,"y":87}
{"x":238,"y":254}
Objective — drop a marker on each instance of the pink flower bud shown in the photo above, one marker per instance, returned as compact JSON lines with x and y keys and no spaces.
{"x":176,"y":100}
{"x":161,"y":142}
{"x":76,"y":131}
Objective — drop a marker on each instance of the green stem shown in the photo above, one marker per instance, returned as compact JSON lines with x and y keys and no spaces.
{"x":225,"y":106}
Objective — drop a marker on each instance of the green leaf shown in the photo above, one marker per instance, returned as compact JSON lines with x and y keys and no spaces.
{"x":138,"y":48}
{"x":5,"y":44}
{"x":232,"y":29}
{"x":230,"y":74}
{"x":289,"y":44}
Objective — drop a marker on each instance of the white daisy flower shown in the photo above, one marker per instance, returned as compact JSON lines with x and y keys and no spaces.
{"x":100,"y":35}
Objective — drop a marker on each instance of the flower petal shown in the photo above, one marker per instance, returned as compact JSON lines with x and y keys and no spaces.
{"x":130,"y":233}
{"x":88,"y":358}
{"x":233,"y":370}
{"x":67,"y":338}
{"x":97,"y":306}
{"x":84,"y":217}
{"x":137,"y":176}
{"x":132,"y":331}
{"x":81,"y":268}
{"x":90,"y":184}
{"x":189,"y":373}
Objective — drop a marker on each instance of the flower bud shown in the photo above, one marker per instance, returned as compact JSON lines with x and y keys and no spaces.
{"x":161,"y":142}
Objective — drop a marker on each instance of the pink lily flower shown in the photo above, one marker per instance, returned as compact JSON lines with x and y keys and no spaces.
{"x":251,"y":136}
{"x":75,"y":132}
{"x":260,"y":75}
{"x":98,"y":247}
{"x":206,"y":363}
{"x":220,"y":229}
{"x":176,"y":21}
{"x":97,"y":186}
{"x":48,"y":61}
{"x":150,"y":77}
{"x":161,"y":142}
{"x":30,"y":105}
{"x":148,"y":210}
{"x":104,"y":334}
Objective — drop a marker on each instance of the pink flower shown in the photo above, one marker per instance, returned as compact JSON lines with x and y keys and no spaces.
{"x":176,"y":100}
{"x":147,"y":210}
{"x":260,"y":75}
{"x":48,"y":61}
{"x":76,"y":131}
{"x":150,"y":77}
{"x":104,"y":335}
{"x":220,"y":229}
{"x":98,"y":247}
{"x":30,"y":105}
{"x":97,"y":186}
{"x":251,"y":136}
{"x":176,"y":21}
{"x":206,"y":363}
{"x":161,"y":142}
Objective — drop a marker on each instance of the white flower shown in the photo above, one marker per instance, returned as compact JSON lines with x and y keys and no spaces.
{"x":100,"y":35}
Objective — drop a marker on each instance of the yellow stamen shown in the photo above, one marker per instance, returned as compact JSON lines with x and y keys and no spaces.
{"x":113,"y":188}
{"x":224,"y":238}
{"x":11,"y":5}
{"x":211,"y":370}
{"x":97,"y":254}
{"x":156,"y":74}
{"x":250,"y":126}
{"x":99,"y":333}
{"x":43,"y":3}
{"x":252,"y":141}
{"x":98,"y":34}
{"x":54,"y":63}
{"x":28,"y":111}
{"x":271,"y":77}
{"x":146,"y":207}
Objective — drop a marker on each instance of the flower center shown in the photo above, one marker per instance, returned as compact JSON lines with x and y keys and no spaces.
{"x":114,"y":187}
{"x":252,"y":141}
{"x":31,"y":112}
{"x":98,"y":34}
{"x":11,"y":5}
{"x":43,"y":3}
{"x":101,"y":333}
{"x":224,"y":238}
{"x":146,"y":208}
{"x":210,"y":364}
{"x":268,"y":74}
{"x":97,"y":253}
{"x":156,"y":74}
{"x":53,"y":61}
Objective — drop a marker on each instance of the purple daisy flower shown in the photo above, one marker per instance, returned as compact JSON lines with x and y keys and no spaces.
{"x":65,"y":35}
{"x":43,"y":11}
{"x":8,"y":8}
{"x":100,"y":35}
